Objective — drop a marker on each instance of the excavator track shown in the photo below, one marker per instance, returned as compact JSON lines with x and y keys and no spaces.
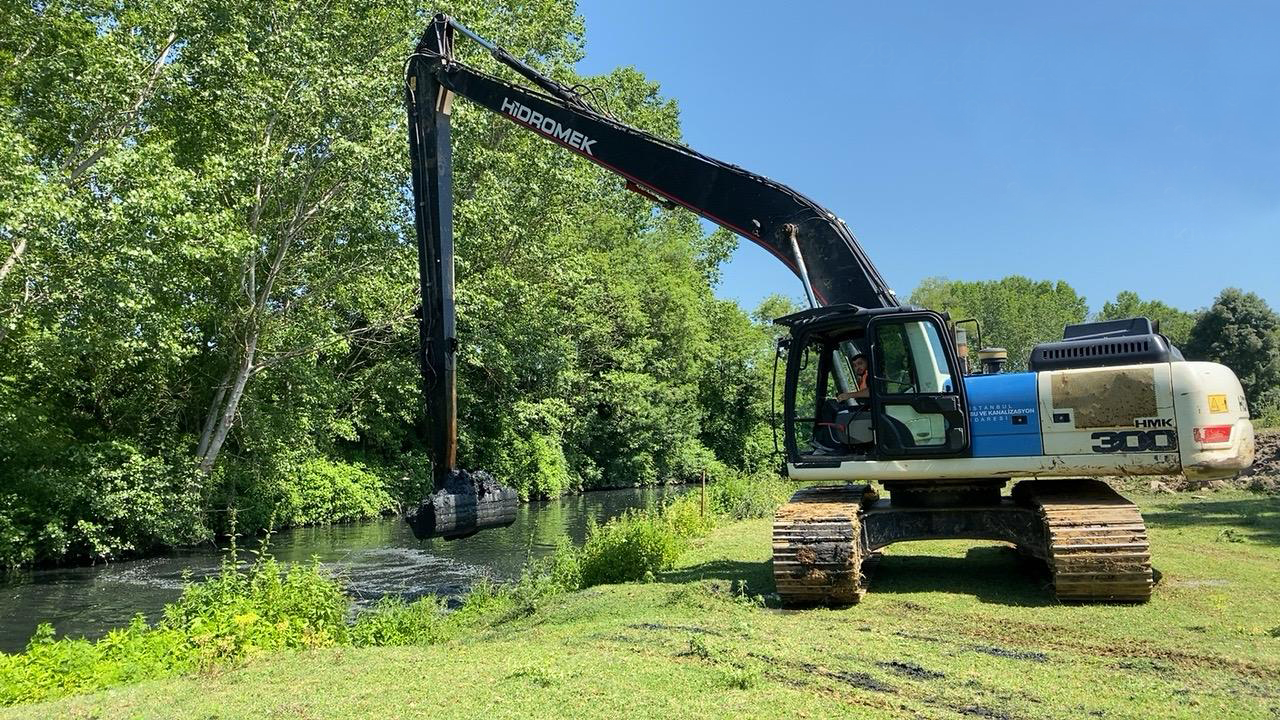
{"x":1095,"y":540}
{"x":817,"y":553}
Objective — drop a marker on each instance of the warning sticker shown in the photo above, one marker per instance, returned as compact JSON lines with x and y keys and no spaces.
{"x":1217,"y":403}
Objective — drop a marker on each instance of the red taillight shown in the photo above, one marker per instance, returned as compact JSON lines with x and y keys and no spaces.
{"x":1213,"y":434}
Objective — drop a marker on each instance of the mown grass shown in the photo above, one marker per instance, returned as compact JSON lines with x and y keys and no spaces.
{"x":244,"y":613}
{"x":949,"y":630}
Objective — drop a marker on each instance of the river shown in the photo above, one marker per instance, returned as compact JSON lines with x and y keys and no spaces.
{"x":374,"y":558}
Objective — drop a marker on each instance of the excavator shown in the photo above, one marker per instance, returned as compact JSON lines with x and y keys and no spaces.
{"x":1108,"y":399}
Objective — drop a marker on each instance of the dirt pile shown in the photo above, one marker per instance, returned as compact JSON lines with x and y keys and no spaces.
{"x":1264,"y":476}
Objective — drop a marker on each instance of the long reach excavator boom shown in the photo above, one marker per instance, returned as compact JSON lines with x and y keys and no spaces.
{"x":807,"y":238}
{"x":874,"y":390}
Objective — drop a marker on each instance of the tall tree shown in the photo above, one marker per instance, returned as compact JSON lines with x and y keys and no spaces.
{"x":209,"y":278}
{"x":1174,"y":323}
{"x":1015,"y":312}
{"x":1242,"y":332}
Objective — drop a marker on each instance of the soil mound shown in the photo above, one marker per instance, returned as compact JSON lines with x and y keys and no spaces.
{"x":1264,"y":476}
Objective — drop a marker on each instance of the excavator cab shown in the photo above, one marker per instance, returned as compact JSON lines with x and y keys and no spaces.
{"x":911,"y":405}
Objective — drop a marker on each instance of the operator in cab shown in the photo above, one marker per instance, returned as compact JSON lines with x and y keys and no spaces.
{"x":859,"y":392}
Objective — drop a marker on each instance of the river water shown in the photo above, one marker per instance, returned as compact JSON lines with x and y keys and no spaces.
{"x":374,"y":558}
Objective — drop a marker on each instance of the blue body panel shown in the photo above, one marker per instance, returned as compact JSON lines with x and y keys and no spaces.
{"x":1004,"y":414}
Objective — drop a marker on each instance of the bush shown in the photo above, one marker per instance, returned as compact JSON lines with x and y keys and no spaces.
{"x":97,"y":501}
{"x":685,"y":518}
{"x":640,"y":543}
{"x":51,"y":668}
{"x":339,"y":492}
{"x":241,"y":613}
{"x":741,"y":496}
{"x":394,"y":622}
{"x":627,"y":547}
{"x":688,"y":461}
{"x":291,"y":491}
{"x":237,"y":614}
{"x":538,"y":468}
{"x":229,"y":617}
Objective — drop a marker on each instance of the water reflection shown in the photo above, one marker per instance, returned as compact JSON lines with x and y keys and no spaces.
{"x":374,"y":558}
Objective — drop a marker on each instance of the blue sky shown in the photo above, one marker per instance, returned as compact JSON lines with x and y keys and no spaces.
{"x":1115,"y":145}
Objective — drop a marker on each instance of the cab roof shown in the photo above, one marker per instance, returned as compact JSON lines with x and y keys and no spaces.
{"x":841,"y":315}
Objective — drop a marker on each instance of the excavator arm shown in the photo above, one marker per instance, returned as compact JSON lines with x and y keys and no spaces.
{"x":765,"y":212}
{"x":806,"y":238}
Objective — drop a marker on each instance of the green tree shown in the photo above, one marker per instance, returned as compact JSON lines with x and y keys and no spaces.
{"x":1174,"y":323}
{"x":1015,"y":312}
{"x":1242,"y":332}
{"x":209,"y":279}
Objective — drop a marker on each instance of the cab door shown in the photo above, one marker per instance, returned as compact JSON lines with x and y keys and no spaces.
{"x":917,"y":395}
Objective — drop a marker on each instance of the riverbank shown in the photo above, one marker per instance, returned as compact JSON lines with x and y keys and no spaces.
{"x":949,"y":629}
{"x":374,"y":558}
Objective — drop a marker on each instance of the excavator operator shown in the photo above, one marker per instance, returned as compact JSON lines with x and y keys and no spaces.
{"x":859,"y":392}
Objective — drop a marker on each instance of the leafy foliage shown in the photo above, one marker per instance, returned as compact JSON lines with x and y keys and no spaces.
{"x":1175,"y":324}
{"x":235,"y":615}
{"x":263,"y":608}
{"x":741,"y":496}
{"x":1015,"y":312}
{"x":207,"y":296}
{"x":1242,"y":332}
{"x":634,"y":544}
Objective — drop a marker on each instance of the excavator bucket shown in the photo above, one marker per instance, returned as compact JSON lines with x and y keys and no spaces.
{"x":469,"y":502}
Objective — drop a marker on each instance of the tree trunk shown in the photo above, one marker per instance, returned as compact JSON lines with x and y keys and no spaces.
{"x":211,"y":417}
{"x":14,"y":256}
{"x":232,"y":406}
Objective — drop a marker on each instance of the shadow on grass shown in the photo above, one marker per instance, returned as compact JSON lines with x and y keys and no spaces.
{"x":993,"y":574}
{"x":1255,"y":519}
{"x":757,"y":577}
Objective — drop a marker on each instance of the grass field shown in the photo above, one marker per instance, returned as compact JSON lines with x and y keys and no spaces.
{"x":949,"y":630}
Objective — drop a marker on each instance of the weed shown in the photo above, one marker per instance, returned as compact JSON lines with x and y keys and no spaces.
{"x":699,"y":648}
{"x":538,"y":675}
{"x":639,"y":543}
{"x":1230,"y":535}
{"x":742,"y":496}
{"x":394,"y":622}
{"x":740,"y":678}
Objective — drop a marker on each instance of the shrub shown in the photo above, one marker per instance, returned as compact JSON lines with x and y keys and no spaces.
{"x":237,"y":614}
{"x":51,"y":668}
{"x":393,"y":622}
{"x":688,"y":461}
{"x":685,"y":517}
{"x":741,"y":496}
{"x":640,"y":543}
{"x":538,"y":467}
{"x":231,"y":616}
{"x":240,"y":613}
{"x":627,"y":547}
{"x":97,"y":501}
{"x":294,"y":490}
{"x":339,"y":492}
